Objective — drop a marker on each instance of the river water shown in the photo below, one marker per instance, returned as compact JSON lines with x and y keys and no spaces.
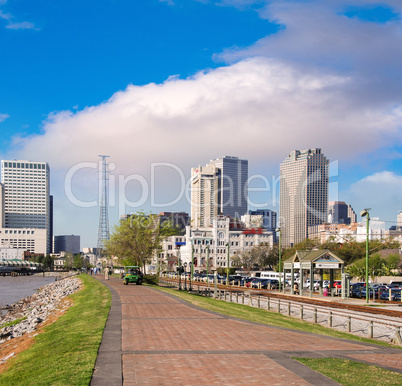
{"x":16,"y":288}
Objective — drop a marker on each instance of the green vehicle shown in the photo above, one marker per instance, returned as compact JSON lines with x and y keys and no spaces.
{"x":133,"y":275}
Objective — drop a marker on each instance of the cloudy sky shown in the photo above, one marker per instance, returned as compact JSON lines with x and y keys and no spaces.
{"x":161,"y":86}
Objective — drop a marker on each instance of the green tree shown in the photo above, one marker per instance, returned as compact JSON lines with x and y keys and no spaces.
{"x":69,"y":260}
{"x":48,"y":262}
{"x":136,"y":239}
{"x":78,"y":261}
{"x":304,"y":245}
{"x":377,"y":267}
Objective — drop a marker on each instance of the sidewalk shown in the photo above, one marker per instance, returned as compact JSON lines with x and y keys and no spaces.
{"x":152,"y":338}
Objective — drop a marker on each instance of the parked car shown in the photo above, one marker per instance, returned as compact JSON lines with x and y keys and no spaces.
{"x":259,"y":283}
{"x":273,"y":284}
{"x":395,"y":295}
{"x":316,"y":284}
{"x":355,"y":290}
{"x":245,"y":280}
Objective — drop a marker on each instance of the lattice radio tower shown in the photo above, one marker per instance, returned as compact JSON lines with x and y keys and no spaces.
{"x":103,"y":232}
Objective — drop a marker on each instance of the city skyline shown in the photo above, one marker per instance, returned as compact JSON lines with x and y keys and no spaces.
{"x":161,"y":86}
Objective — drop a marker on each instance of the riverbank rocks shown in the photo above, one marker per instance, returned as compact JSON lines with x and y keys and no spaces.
{"x":24,"y":316}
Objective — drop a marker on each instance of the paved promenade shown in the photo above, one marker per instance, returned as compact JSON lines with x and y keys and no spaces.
{"x":152,"y":338}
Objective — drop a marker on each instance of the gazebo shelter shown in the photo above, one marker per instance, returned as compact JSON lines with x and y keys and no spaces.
{"x":308,"y":263}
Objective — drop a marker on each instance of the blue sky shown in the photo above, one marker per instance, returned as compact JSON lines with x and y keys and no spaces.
{"x":181,"y":82}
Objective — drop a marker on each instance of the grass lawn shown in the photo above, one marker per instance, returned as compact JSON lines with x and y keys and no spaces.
{"x":351,"y":373}
{"x":263,"y":316}
{"x":65,"y":353}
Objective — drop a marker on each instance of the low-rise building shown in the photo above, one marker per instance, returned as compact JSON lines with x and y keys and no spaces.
{"x":33,"y":240}
{"x":224,"y":233}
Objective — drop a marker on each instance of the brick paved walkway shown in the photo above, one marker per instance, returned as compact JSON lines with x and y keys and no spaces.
{"x":167,"y":341}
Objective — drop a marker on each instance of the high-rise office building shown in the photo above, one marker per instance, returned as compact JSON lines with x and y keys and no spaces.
{"x":233,"y":189}
{"x":26,"y":196}
{"x":67,"y":243}
{"x":303,"y":194}
{"x":219,"y":188}
{"x":340,"y":213}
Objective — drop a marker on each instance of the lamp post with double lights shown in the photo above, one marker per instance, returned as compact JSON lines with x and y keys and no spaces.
{"x":365,"y":213}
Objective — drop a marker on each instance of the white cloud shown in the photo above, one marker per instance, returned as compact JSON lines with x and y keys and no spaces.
{"x":5,"y":16}
{"x":315,"y":33}
{"x":3,"y":117}
{"x":381,"y":192}
{"x":22,"y":25}
{"x":257,"y":108}
{"x":15,"y":25}
{"x":170,"y":2}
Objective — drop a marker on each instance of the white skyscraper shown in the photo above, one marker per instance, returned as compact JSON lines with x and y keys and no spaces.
{"x":219,"y":188}
{"x":26,"y":196}
{"x":303,"y":194}
{"x":204,"y":195}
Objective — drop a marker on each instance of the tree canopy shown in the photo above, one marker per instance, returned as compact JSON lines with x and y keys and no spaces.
{"x":137,"y":238}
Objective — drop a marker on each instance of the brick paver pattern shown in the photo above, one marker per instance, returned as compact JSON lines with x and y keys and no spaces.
{"x":165,"y":341}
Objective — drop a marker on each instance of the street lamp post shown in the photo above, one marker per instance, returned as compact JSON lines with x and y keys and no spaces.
{"x":179,"y":267}
{"x":192,"y":263}
{"x":365,"y":213}
{"x":185,"y":276}
{"x":191,"y":267}
{"x":208,"y":264}
{"x":280,"y":257}
{"x":227,"y":267}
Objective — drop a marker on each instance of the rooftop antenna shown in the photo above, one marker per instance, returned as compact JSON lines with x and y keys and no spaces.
{"x":103,"y":232}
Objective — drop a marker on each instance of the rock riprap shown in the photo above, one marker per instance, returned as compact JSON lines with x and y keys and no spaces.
{"x":24,"y":316}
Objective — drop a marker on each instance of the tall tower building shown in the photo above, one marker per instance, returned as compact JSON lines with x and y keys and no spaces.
{"x":204,"y":195}
{"x":219,"y":188}
{"x":303,"y":194}
{"x":340,"y":213}
{"x":233,"y":192}
{"x":27,"y":196}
